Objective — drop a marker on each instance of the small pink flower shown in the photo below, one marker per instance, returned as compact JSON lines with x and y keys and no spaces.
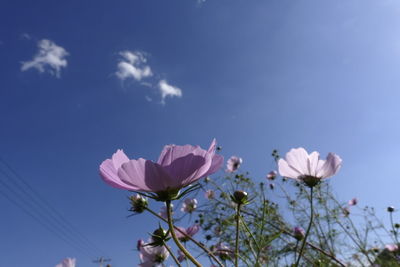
{"x":233,"y":164}
{"x":181,"y":256}
{"x":68,"y":262}
{"x":152,"y":255}
{"x":309,"y":168}
{"x":209,"y":194}
{"x":272,"y":175}
{"x":177,"y":167}
{"x":189,"y":205}
{"x":392,"y":247}
{"x":353,"y":202}
{"x":190,"y":231}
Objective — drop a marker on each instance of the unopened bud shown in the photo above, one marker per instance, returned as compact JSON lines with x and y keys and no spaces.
{"x":159,"y":236}
{"x":298,"y":233}
{"x":138,"y":203}
{"x":239,"y":197}
{"x":390,"y":209}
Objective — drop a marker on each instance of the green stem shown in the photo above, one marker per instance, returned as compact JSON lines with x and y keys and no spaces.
{"x":172,"y":255}
{"x":206,"y":250}
{"x":172,"y":230}
{"x":237,"y":235}
{"x":308,"y":228}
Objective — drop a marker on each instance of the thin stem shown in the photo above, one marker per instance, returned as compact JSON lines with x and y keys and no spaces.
{"x":394,"y":230}
{"x":206,"y":250}
{"x":284,"y":230}
{"x":172,"y":230}
{"x":237,"y":235}
{"x":308,"y":228}
{"x":172,"y":254}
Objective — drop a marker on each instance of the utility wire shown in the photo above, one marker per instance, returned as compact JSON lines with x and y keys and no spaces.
{"x":51,"y":210}
{"x":50,"y":218}
{"x":37,"y":218}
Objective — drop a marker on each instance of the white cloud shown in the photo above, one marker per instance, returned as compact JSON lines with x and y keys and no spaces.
{"x":50,"y":57}
{"x":133,"y":65}
{"x":168,"y":90}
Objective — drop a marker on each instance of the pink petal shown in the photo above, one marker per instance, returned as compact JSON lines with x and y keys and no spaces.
{"x":286,"y":171}
{"x":330,"y":167}
{"x":109,"y":171}
{"x":185,"y":163}
{"x":172,"y":152}
{"x":297,"y":158}
{"x":145,"y":175}
{"x":313,"y":160}
{"x":192,"y":230}
{"x":216,"y":164}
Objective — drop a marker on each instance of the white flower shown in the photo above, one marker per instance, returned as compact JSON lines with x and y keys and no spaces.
{"x":309,"y":168}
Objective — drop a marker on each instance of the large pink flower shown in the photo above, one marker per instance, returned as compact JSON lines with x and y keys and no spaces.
{"x":177,"y":167}
{"x":300,"y":165}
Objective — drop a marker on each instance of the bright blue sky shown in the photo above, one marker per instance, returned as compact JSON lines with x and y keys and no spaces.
{"x":256,"y":75}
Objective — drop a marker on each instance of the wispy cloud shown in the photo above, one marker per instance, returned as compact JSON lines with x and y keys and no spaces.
{"x":133,"y":65}
{"x":168,"y":90}
{"x":50,"y":57}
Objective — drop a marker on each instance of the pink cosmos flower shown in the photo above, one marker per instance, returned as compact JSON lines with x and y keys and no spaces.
{"x":152,"y":256}
{"x":353,"y":202}
{"x":272,"y":175}
{"x":233,"y":164}
{"x":309,"y":168}
{"x":190,"y":231}
{"x":189,"y":205}
{"x":177,"y":167}
{"x":68,"y":262}
{"x":209,"y":194}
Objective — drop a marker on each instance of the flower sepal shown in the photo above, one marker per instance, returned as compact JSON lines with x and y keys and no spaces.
{"x":159,"y":237}
{"x":310,"y":181}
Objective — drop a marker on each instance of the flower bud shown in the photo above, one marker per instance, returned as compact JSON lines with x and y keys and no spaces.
{"x":397,"y":225}
{"x":239,"y":197}
{"x":159,"y":236}
{"x":298,"y":233}
{"x":138,"y":203}
{"x":390,"y":209}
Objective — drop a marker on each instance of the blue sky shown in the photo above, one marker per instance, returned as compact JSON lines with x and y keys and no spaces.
{"x":256,"y":75}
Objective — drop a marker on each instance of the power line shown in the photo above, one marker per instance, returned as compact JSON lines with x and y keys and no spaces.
{"x":52,"y":211}
{"x":48,"y":215}
{"x":39,"y":220}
